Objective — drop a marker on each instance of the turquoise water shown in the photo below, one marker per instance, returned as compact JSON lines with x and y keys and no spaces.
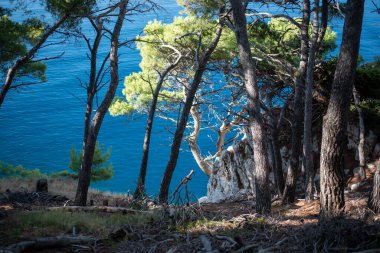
{"x":39,"y":124}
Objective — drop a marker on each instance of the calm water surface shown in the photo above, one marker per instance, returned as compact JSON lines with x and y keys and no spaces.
{"x":39,"y":124}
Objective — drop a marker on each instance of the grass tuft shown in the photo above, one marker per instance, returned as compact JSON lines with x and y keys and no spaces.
{"x":47,"y":223}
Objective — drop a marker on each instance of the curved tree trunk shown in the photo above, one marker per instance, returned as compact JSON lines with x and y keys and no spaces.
{"x":374,"y":199}
{"x":361,"y":134}
{"x":140,"y":189}
{"x":88,"y":153}
{"x":174,"y":153}
{"x":334,"y":139}
{"x":307,"y":133}
{"x":204,"y":165}
{"x":256,"y":124}
{"x":291,"y":179}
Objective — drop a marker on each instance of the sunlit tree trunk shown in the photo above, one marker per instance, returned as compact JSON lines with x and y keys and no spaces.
{"x":256,"y":124}
{"x":204,"y":165}
{"x":334,"y":139}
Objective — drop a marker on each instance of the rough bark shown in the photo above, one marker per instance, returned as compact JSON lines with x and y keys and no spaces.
{"x":140,"y":189}
{"x":88,"y":152}
{"x":178,"y":135}
{"x":361,"y":134}
{"x":374,"y":199}
{"x":308,"y":113}
{"x":335,"y":121}
{"x":291,"y":180}
{"x":256,"y":123}
{"x":29,"y":55}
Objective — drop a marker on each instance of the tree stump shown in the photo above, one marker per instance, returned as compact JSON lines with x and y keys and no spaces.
{"x":42,"y":185}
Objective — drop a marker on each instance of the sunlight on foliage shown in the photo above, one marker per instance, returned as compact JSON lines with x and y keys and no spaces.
{"x":120,"y":107}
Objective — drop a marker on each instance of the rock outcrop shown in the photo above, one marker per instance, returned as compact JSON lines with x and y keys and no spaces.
{"x":232,"y":174}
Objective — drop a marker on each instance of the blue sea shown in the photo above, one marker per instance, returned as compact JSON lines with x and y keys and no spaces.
{"x":39,"y":124}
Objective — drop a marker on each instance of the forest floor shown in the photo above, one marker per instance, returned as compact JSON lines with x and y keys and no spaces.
{"x":143,"y":226}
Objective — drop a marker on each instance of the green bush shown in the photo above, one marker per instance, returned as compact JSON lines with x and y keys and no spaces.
{"x":101,"y":169}
{"x":10,"y":171}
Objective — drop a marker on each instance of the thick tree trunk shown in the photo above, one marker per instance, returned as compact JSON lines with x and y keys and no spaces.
{"x":174,"y":153}
{"x":334,"y":137}
{"x":374,"y":199}
{"x":25,"y":59}
{"x":88,"y":153}
{"x":361,"y":134}
{"x":307,"y":133}
{"x":291,"y":180}
{"x":140,"y":189}
{"x":256,"y":124}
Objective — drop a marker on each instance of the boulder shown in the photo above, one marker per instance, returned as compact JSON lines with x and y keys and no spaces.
{"x":232,"y":174}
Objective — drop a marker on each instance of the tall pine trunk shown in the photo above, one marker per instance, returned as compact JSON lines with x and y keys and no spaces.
{"x":178,"y":135}
{"x":256,"y":123}
{"x":293,"y":171}
{"x":140,"y":189}
{"x":334,"y":139}
{"x":84,"y":177}
{"x":307,"y":133}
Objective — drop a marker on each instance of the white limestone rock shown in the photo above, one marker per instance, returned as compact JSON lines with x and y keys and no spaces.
{"x":232,"y":174}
